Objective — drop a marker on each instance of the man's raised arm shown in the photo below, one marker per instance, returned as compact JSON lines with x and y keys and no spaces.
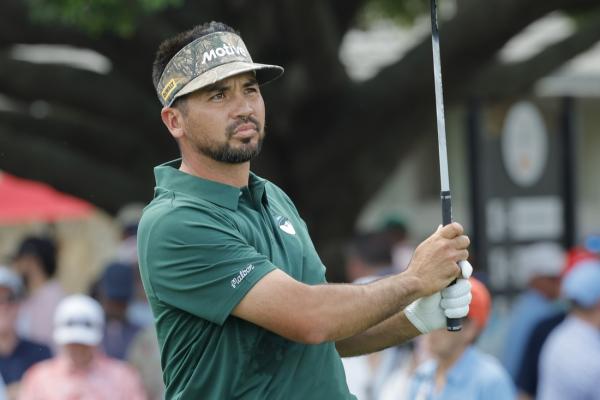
{"x":330,"y":312}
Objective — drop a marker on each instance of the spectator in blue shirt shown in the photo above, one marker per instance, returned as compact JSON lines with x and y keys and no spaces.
{"x":458,"y":370}
{"x":541,"y":265}
{"x":569,"y":365}
{"x":16,"y":353}
{"x":527,"y":378}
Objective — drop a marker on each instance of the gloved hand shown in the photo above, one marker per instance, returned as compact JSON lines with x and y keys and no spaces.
{"x":429,"y":313}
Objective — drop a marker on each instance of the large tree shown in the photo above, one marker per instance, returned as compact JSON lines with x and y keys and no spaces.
{"x":332,"y":141}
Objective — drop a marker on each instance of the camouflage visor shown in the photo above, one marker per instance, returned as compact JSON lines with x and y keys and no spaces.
{"x":207,"y":60}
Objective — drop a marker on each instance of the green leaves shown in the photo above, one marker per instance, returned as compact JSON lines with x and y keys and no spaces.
{"x":402,"y":11}
{"x":97,"y":16}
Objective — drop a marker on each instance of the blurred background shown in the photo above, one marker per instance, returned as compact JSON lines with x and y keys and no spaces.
{"x":351,"y":125}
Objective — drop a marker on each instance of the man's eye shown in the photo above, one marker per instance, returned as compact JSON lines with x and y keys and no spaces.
{"x":218,"y":96}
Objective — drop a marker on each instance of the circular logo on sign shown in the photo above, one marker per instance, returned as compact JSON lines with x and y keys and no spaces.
{"x":524,"y":144}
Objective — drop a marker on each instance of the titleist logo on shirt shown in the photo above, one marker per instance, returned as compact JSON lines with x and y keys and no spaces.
{"x":240,"y":277}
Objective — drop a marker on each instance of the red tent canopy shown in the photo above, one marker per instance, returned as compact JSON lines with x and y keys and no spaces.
{"x":23,"y":200}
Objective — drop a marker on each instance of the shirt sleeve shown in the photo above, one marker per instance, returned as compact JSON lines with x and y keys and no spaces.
{"x":203,"y":266}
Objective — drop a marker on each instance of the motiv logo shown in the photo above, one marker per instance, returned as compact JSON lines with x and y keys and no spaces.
{"x":240,"y":277}
{"x":222,"y":51}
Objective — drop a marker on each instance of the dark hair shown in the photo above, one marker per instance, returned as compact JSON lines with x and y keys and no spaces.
{"x":116,"y":282}
{"x":171,"y":46}
{"x":374,"y":248}
{"x":43,"y":249}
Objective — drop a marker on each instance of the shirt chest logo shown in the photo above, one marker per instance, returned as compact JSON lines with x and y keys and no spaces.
{"x":285,"y":224}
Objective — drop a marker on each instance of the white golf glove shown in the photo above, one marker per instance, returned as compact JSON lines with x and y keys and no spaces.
{"x":429,"y":313}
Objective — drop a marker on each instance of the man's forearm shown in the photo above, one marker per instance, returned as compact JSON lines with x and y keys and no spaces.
{"x":393,"y":331}
{"x":343,"y":311}
{"x":315,"y":314}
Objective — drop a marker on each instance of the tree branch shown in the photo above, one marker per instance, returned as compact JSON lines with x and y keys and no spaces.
{"x":491,"y":82}
{"x":106,"y":95}
{"x":346,"y":12}
{"x":128,"y":55}
{"x":314,"y":38}
{"x":104,"y":185}
{"x":94,"y":138}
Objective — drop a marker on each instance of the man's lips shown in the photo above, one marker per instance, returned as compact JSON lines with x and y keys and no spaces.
{"x":246,"y":129}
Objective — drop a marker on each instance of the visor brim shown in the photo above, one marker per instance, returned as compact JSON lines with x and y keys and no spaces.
{"x":264,"y":73}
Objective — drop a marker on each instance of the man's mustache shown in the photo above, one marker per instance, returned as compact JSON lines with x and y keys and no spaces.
{"x":230,"y":130}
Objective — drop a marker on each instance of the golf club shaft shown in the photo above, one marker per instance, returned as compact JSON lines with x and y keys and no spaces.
{"x":452,"y":324}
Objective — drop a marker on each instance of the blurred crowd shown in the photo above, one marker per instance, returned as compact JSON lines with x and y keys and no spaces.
{"x":549,"y":337}
{"x":102,"y":345}
{"x":95,"y":345}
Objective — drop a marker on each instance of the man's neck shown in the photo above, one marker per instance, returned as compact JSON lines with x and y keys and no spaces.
{"x":80,"y":363}
{"x":590,"y":317}
{"x":204,"y":167}
{"x":8,"y":342}
{"x":36,"y":280}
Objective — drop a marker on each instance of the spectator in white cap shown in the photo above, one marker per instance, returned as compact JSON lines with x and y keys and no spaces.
{"x":80,"y":370}
{"x":540,"y":269}
{"x":16,"y":353}
{"x":570,"y":361}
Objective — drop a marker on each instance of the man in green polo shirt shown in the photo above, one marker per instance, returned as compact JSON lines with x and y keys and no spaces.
{"x":238,"y":292}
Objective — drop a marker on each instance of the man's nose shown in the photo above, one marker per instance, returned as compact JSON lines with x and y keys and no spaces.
{"x":243,"y":106}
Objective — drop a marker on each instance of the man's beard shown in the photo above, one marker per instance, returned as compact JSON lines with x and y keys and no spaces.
{"x":226,"y":154}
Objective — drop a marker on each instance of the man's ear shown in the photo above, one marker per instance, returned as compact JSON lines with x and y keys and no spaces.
{"x":173,"y":120}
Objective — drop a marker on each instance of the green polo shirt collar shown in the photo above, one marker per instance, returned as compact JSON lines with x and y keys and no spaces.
{"x":168,"y":176}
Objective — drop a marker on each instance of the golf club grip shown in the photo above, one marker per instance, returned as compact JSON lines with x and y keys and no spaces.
{"x":452,"y":324}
